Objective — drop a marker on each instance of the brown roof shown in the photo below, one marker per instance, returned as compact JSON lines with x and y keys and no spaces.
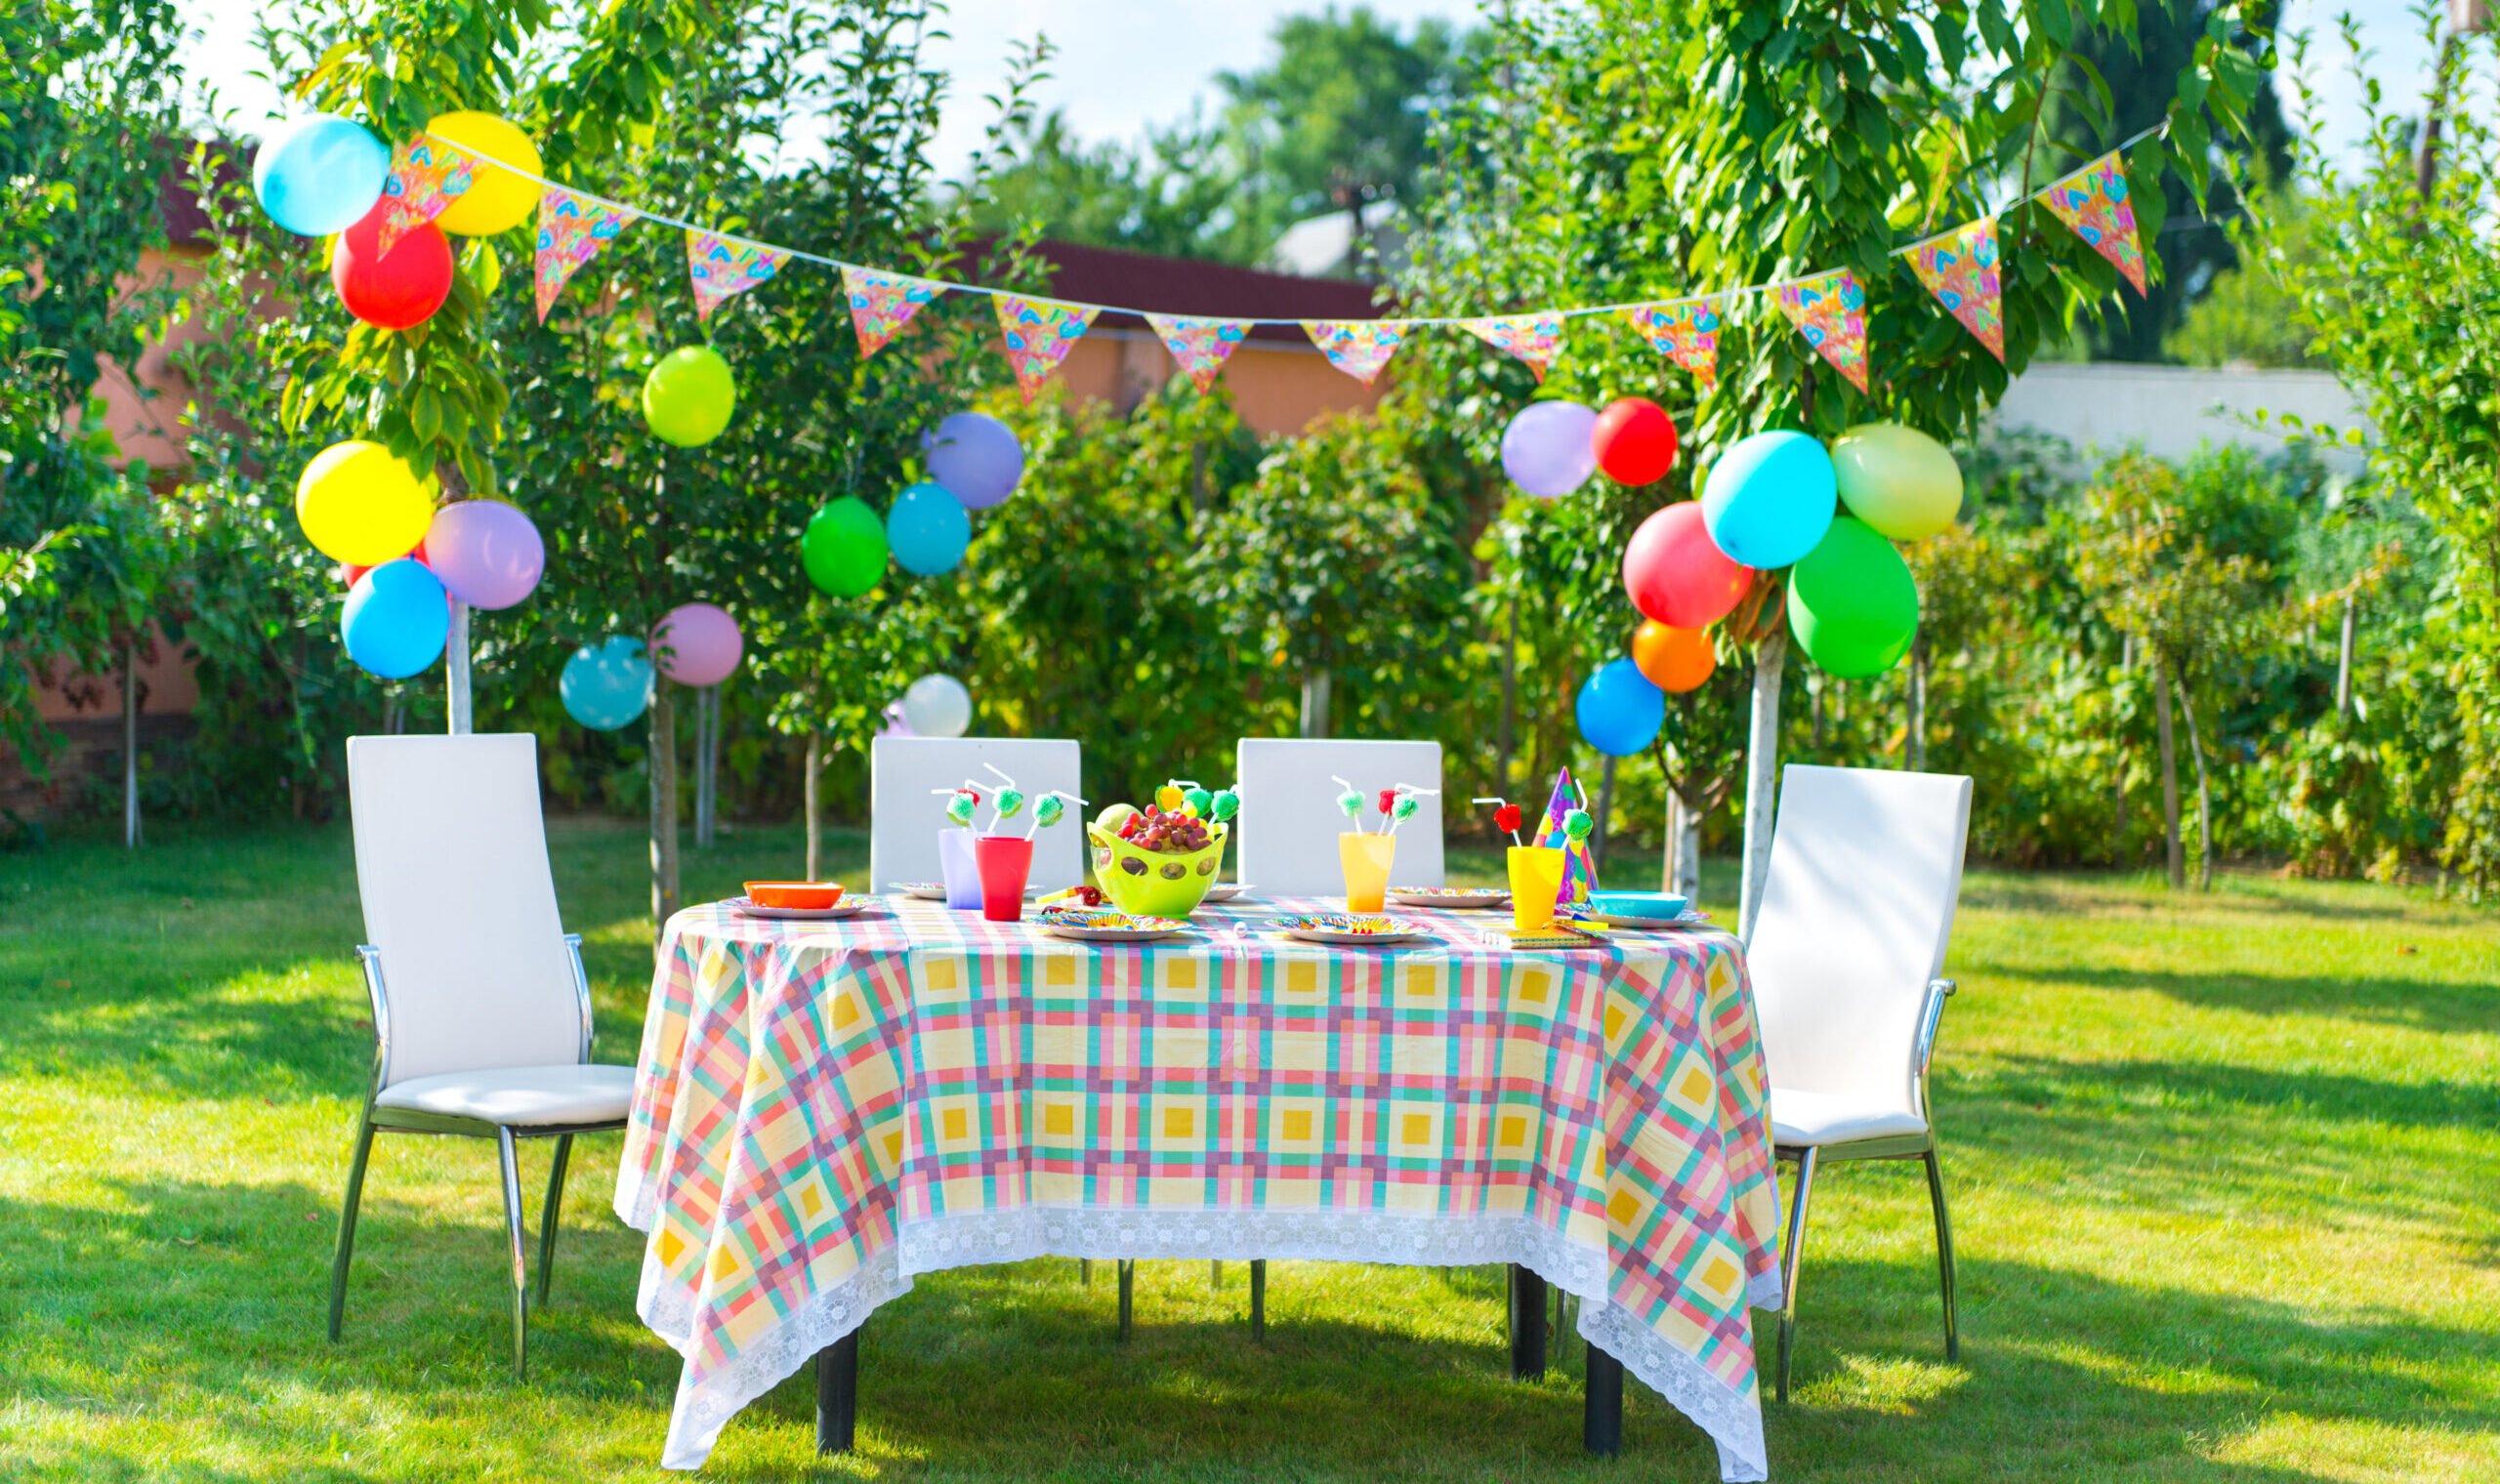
{"x":1189,"y":286}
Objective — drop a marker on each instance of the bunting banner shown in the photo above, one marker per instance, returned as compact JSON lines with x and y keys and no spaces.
{"x":882,"y":303}
{"x":1686,"y":334}
{"x":724,"y":268}
{"x":2094,"y":202}
{"x":571,"y":229}
{"x":1536,"y":339}
{"x":1039,"y":333}
{"x":1960,"y":269}
{"x":1830,"y":311}
{"x":427,"y":175}
{"x":1199,"y":345}
{"x":1359,"y":348}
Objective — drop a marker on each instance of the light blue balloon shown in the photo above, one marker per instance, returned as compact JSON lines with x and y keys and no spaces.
{"x":319,"y":174}
{"x":608,"y":684}
{"x":1768,"y":499}
{"x":1619,"y":710}
{"x":928,"y":530}
{"x":395,"y":619}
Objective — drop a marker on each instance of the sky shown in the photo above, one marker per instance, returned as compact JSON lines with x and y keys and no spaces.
{"x":1110,"y":92}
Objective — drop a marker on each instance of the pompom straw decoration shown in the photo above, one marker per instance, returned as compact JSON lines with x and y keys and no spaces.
{"x":1349,"y":803}
{"x":960,"y":802}
{"x":1505,"y":817}
{"x":1049,"y":809}
{"x":1006,"y":803}
{"x":1405,"y":803}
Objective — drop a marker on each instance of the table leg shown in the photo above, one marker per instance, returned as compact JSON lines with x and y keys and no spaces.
{"x":1128,"y":1295}
{"x":838,"y":1394}
{"x":1527,"y":1324}
{"x":1601,"y":1425}
{"x":1259,"y":1302}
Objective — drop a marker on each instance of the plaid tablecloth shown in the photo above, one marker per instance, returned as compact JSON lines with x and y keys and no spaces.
{"x":824,"y":1110}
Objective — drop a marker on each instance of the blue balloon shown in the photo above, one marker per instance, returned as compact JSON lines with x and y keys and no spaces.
{"x":395,"y":619}
{"x":1768,"y":499}
{"x":319,"y":175}
{"x":1620,"y":711}
{"x":928,"y":530}
{"x":977,"y":458}
{"x":608,"y":684}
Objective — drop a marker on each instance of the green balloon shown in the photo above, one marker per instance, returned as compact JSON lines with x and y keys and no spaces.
{"x":1851,"y":601}
{"x":845,"y":548}
{"x":688,"y":396}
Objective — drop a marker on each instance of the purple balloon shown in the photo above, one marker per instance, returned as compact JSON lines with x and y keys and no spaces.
{"x":696,"y":645}
{"x":1546,"y":450}
{"x":976,"y":457}
{"x":487,"y":553}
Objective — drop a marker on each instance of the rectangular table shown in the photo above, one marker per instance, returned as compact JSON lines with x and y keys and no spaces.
{"x":824,"y":1110}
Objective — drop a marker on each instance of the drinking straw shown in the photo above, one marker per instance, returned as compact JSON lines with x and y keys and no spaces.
{"x":1499,"y":804}
{"x":1356,"y":812}
{"x":1407,"y":809}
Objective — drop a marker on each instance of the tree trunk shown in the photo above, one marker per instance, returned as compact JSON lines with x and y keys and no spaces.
{"x":1510,"y":700}
{"x":456,"y":672}
{"x":1814,"y":708}
{"x":1762,"y":773}
{"x":1684,"y":848}
{"x":2344,"y":657}
{"x":707,"y":759}
{"x":663,"y":769}
{"x":1315,"y":703}
{"x":2204,"y":795}
{"x":815,"y":817}
{"x":130,"y":746}
{"x":2172,"y":854}
{"x":1918,"y":704}
{"x":1606,"y":811}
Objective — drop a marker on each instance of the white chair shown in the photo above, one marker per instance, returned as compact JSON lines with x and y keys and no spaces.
{"x":1845,"y":956}
{"x":1285,"y":839}
{"x":481,"y":1019}
{"x":905,"y":816}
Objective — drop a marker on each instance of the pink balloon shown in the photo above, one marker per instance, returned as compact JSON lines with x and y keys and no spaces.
{"x":696,"y":645}
{"x":1675,"y":574}
{"x":487,"y":553}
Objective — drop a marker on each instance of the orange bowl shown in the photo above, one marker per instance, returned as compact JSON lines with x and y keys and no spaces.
{"x":794,"y":893}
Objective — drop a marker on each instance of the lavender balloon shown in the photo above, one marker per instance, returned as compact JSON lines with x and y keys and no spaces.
{"x":977,"y":457}
{"x":1546,"y":449}
{"x":696,"y":645}
{"x":487,"y":553}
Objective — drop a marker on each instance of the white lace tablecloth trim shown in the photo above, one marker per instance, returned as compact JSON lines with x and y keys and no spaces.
{"x":1732,"y":1419}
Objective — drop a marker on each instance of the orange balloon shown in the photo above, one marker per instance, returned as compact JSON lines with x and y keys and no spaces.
{"x":1674,"y":659}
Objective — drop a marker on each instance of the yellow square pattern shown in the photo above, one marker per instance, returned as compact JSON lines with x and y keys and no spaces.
{"x":1059,"y":1120}
{"x":1302,"y":977}
{"x":1177,"y":1124}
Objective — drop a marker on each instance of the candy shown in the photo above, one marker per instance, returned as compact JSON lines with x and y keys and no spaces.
{"x":1577,"y":824}
{"x":1011,"y":803}
{"x":1224,"y":805}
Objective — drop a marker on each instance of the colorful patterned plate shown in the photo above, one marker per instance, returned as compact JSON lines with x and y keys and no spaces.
{"x":1619,"y":920}
{"x":1224,"y":891}
{"x":1352,"y":929}
{"x":926,"y":891}
{"x":1449,"y":897}
{"x":848,"y":906}
{"x":1108,"y":927}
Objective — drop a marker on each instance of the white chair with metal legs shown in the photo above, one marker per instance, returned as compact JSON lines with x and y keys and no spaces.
{"x":1845,"y":956}
{"x":1286,"y":842}
{"x":482,"y":1018}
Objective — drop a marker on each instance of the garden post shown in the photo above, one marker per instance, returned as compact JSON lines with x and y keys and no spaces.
{"x":455,"y":672}
{"x":1762,"y":773}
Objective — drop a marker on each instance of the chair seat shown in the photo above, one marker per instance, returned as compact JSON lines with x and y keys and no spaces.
{"x":522,"y":1098}
{"x":1821,"y":1119}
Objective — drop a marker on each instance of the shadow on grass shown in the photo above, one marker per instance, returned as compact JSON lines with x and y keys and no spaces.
{"x":2423,"y":1004}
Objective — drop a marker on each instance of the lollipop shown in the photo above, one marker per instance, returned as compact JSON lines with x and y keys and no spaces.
{"x":1224,"y":805}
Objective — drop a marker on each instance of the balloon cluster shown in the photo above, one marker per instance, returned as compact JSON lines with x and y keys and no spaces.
{"x":1769,"y":503}
{"x":1551,"y":448}
{"x":974,"y":461}
{"x":323,"y":176}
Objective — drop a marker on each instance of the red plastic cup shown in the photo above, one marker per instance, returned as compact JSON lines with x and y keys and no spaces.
{"x":1005,"y":860}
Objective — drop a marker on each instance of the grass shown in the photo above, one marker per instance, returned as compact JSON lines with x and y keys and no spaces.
{"x":2224,"y":1169}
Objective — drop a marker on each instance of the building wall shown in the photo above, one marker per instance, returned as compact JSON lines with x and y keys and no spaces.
{"x":2172,"y":411}
{"x":1278,"y":387}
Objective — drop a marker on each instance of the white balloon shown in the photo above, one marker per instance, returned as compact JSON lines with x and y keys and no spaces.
{"x":938,"y":706}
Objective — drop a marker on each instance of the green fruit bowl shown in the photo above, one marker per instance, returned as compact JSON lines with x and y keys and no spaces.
{"x":1153,"y":883}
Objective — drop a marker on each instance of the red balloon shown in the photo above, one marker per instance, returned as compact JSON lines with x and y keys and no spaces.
{"x":1676,"y":575}
{"x":394,"y":291}
{"x":1635,"y":440}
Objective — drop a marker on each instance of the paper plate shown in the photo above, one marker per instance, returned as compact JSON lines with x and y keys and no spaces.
{"x":926,"y":891}
{"x":1107,"y":927}
{"x":1449,"y":897}
{"x":1354,"y":929}
{"x":848,"y":906}
{"x":1224,"y":891}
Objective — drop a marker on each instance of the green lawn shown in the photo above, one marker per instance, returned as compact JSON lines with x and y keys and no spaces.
{"x":2226,"y":1176}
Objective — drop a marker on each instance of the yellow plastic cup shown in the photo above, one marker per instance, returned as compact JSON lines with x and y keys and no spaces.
{"x":1365,"y":858}
{"x":1536,"y":884}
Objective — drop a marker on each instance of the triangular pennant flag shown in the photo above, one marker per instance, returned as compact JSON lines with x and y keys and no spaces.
{"x":1579,"y":872}
{"x":1199,"y":345}
{"x":571,"y":229}
{"x":2094,"y":202}
{"x":1536,"y":339}
{"x":1039,"y":333}
{"x":1830,"y":311}
{"x":1686,"y":334}
{"x":426,"y":175}
{"x":1359,"y":348}
{"x":882,"y":303}
{"x":724,"y":268}
{"x":1960,"y":269}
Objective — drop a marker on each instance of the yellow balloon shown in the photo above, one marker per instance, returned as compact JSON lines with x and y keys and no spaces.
{"x":360,"y":505}
{"x":496,"y":201}
{"x":1897,"y":479}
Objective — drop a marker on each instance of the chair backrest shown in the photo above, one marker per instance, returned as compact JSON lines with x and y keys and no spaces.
{"x":451,"y":861}
{"x":1856,"y":912}
{"x":1285,"y":841}
{"x":904,"y":817}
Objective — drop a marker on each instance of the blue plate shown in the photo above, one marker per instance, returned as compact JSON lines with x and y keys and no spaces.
{"x":1657,"y":905}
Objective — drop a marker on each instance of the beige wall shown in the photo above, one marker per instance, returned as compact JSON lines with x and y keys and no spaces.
{"x":1278,"y":387}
